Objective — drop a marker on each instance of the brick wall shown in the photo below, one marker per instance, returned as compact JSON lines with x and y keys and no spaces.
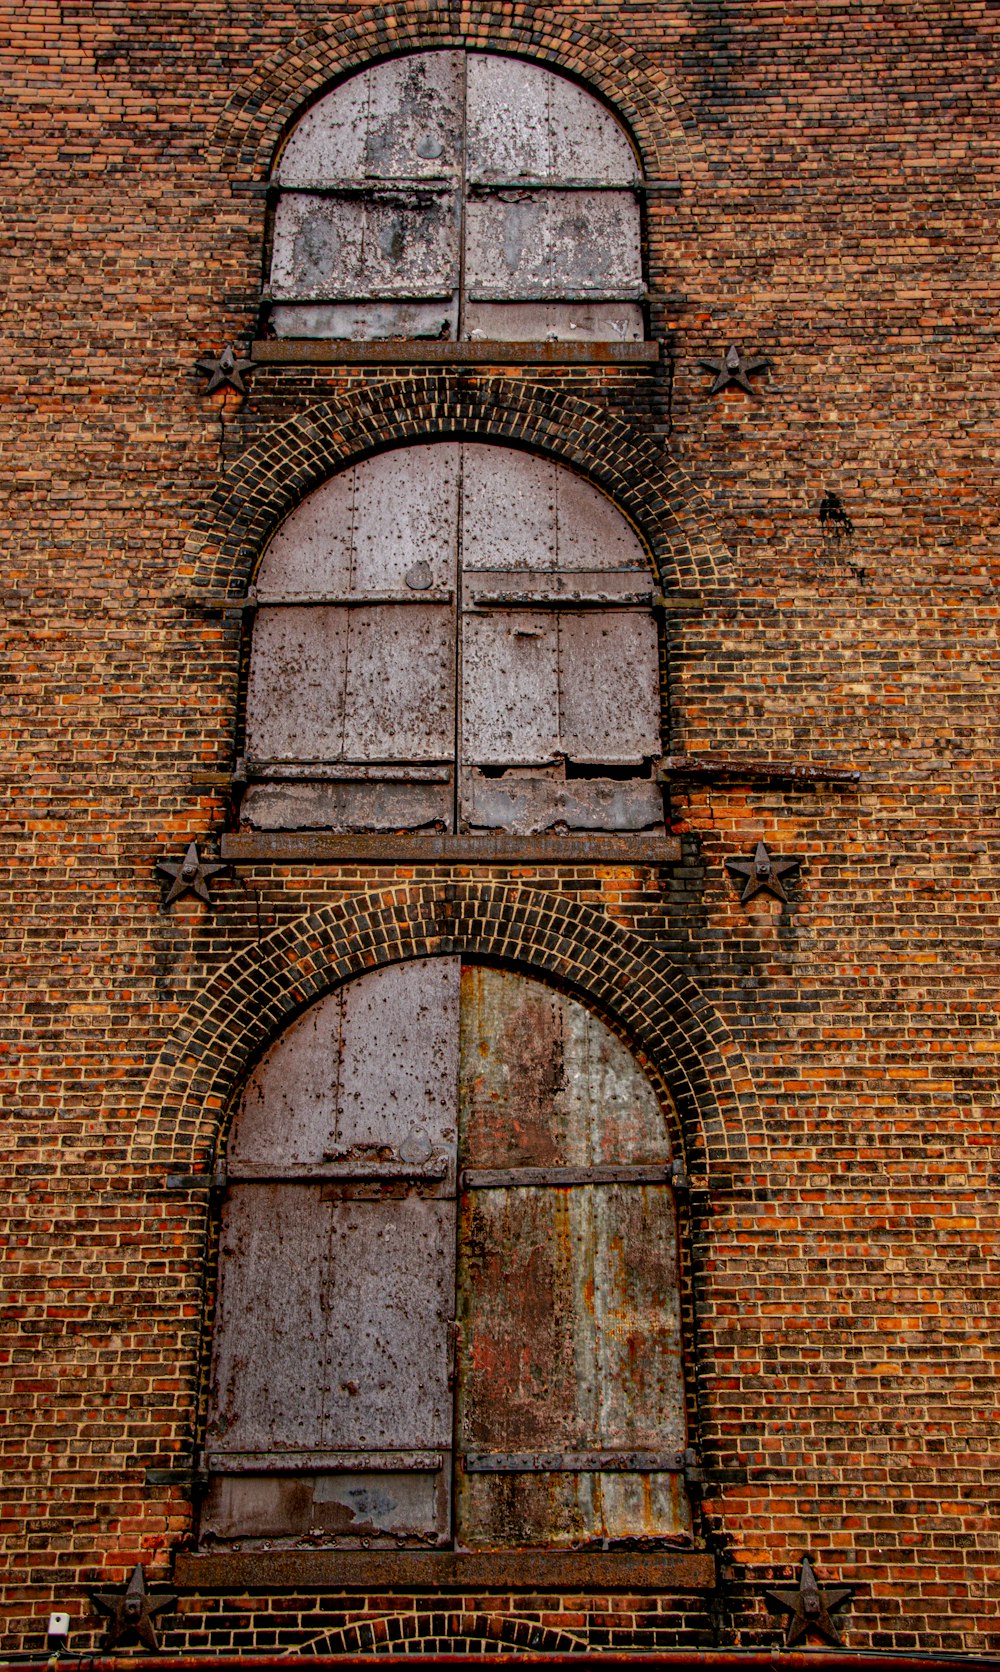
{"x":834,"y":216}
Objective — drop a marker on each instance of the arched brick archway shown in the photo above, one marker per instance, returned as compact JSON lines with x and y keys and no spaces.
{"x":652,"y":1003}
{"x":263,"y":108}
{"x":445,"y":1632}
{"x":274,"y":474}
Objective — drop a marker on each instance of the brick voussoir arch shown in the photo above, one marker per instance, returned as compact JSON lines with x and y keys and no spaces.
{"x":260,"y":112}
{"x":274,"y":474}
{"x":652,"y":1003}
{"x":444,"y":1630}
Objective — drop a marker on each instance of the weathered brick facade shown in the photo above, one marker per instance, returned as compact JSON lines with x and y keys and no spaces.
{"x":831,"y":1061}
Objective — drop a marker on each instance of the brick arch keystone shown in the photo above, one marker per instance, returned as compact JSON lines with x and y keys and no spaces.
{"x":646,"y":998}
{"x":265,"y":105}
{"x":273,"y":475}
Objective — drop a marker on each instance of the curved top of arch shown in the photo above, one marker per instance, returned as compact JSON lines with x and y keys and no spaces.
{"x":261,"y":112}
{"x":443,"y":114}
{"x":671,"y":1029}
{"x":279,"y":471}
{"x":517,"y":512}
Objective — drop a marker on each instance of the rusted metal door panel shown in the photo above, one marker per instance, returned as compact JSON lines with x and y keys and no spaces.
{"x":406,"y":520}
{"x":390,"y":1307}
{"x":549,"y":244}
{"x":544,"y":1082}
{"x":347,"y":808}
{"x":399,"y":1058}
{"x":515,"y":322}
{"x":296,"y":685}
{"x":530,"y":805}
{"x":609,"y":686}
{"x":508,"y":509}
{"x":396,"y":243}
{"x":271,"y":1358}
{"x":398,"y":120}
{"x":510,"y":694}
{"x":525,"y":122}
{"x":570,"y":1341}
{"x":400,"y":684}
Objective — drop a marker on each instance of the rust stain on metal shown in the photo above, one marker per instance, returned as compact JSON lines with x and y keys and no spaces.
{"x":494,"y":1570}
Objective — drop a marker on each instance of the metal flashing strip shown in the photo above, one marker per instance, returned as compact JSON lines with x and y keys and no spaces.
{"x":319,"y":848}
{"x":503,"y":1570}
{"x":308,"y":351}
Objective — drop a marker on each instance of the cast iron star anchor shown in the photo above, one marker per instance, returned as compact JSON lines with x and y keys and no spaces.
{"x":131,"y":1610}
{"x":734,"y":367}
{"x":191,"y":872}
{"x":763,"y":873}
{"x":226,"y":367}
{"x":809,"y":1607}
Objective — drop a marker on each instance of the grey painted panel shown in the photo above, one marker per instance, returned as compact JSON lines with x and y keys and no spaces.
{"x":542,"y":244}
{"x":347,"y":807}
{"x":608,"y":685}
{"x":399,"y":1059}
{"x":345,"y":1507}
{"x":525,"y":121}
{"x":288,"y":1112}
{"x":402,"y":119}
{"x":328,"y":248}
{"x":528,"y":806}
{"x":377,"y":321}
{"x":592,"y":532}
{"x":400,"y":697}
{"x":509,"y":688}
{"x":366,"y":528}
{"x":267,"y":1387}
{"x":544,"y":1082}
{"x":508,"y":509}
{"x":296,"y":686}
{"x":515,"y":322}
{"x":390,"y":1305}
{"x":406,"y":513}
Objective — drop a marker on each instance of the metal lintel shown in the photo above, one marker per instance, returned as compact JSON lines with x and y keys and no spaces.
{"x":514,"y":1178}
{"x":725,"y":768}
{"x":310,"y":351}
{"x":503,"y":1570}
{"x":573,"y":1462}
{"x":319,"y":848}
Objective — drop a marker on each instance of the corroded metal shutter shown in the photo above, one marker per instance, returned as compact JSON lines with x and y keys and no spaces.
{"x":351,"y":698}
{"x":570,"y":1417}
{"x":394,"y":173}
{"x":331,"y":1394}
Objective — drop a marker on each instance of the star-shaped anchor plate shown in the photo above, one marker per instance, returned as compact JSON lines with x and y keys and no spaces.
{"x":192,"y":872}
{"x":225,"y":368}
{"x":809,"y":1607}
{"x":131,"y":1610}
{"x":763,"y":874}
{"x":734,"y":367}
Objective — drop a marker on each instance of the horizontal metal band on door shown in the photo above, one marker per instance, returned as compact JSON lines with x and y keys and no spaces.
{"x":515,"y":1178}
{"x":573,"y":1462}
{"x":351,"y":1462}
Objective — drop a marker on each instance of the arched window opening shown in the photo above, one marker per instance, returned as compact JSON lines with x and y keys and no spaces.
{"x":454,"y":637}
{"x":448,"y":1305}
{"x":454,"y":194}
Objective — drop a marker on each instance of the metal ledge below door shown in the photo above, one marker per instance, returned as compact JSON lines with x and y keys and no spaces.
{"x":319,"y":848}
{"x":408,"y":1570}
{"x":316,"y":351}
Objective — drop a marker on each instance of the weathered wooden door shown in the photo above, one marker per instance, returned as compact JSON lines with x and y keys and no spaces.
{"x":362,"y":1389}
